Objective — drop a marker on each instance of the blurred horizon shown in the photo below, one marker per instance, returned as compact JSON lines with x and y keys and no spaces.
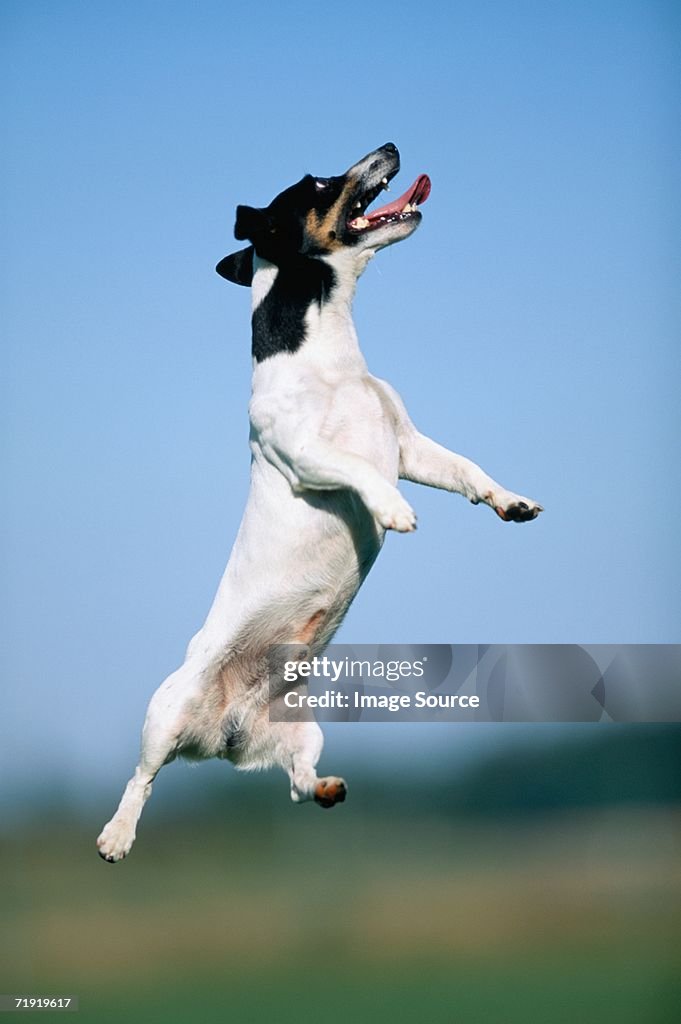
{"x":525,"y":769}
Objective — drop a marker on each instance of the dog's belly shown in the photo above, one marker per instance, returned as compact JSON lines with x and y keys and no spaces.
{"x":296,"y":565}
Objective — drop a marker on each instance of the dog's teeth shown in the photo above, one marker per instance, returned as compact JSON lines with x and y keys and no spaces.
{"x":358,"y":205}
{"x":384,"y":183}
{"x":359,"y":222}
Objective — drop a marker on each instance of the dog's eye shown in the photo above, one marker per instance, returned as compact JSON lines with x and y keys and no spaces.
{"x":321,"y":183}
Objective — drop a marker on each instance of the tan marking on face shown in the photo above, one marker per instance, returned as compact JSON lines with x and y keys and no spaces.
{"x":324,"y":230}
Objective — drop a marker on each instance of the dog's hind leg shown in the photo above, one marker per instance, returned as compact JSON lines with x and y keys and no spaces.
{"x":163,"y":725}
{"x":297,"y":747}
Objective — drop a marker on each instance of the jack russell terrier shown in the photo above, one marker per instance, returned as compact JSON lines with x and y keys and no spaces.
{"x":329,"y":442}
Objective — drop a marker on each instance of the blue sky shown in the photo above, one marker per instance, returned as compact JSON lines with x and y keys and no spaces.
{"x":531,"y":323}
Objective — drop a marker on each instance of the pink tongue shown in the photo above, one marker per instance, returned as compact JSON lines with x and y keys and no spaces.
{"x":415,"y":194}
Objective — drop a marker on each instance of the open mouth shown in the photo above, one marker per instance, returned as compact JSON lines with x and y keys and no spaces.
{"x":402,"y":209}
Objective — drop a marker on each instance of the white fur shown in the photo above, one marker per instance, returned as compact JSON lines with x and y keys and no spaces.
{"x":329,"y":442}
{"x":264,"y":276}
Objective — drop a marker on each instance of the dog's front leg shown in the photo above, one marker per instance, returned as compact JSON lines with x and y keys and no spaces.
{"x":424,"y":461}
{"x":311,"y":463}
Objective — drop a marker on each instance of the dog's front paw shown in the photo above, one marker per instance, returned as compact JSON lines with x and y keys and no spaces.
{"x":514,"y":509}
{"x":330,"y":791}
{"x":397,"y":514}
{"x":115,"y":841}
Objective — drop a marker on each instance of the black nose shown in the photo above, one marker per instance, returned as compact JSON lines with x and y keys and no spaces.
{"x":390,"y":147}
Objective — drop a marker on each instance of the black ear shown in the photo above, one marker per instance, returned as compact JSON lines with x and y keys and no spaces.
{"x":238,"y":267}
{"x":251,"y":223}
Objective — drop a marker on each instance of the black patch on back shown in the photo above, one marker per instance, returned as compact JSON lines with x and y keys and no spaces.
{"x":279,"y":321}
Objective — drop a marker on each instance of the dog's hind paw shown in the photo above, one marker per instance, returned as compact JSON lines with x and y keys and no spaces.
{"x":115,"y":841}
{"x":330,"y":791}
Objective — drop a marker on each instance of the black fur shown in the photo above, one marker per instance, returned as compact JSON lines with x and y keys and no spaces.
{"x":238,"y":267}
{"x":278,"y":235}
{"x":279,"y":321}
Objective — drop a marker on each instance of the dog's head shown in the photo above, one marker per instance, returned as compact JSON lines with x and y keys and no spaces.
{"x":320,"y":217}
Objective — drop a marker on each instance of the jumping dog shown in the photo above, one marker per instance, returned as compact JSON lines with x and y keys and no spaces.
{"x":329,"y":442}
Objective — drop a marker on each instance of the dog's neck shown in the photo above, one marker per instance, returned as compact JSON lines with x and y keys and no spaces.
{"x":306,"y":306}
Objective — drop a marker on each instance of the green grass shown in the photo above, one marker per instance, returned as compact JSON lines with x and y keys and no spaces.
{"x":331,"y":990}
{"x":407,"y":914}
